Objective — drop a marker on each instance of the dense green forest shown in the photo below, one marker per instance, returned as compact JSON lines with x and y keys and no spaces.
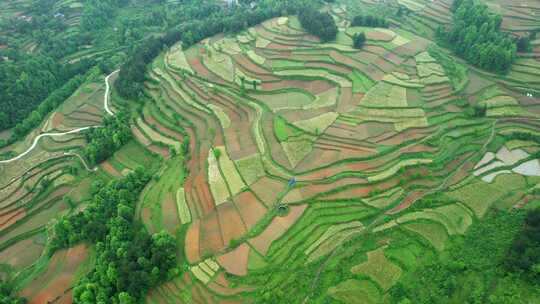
{"x":475,"y":35}
{"x":129,"y":260}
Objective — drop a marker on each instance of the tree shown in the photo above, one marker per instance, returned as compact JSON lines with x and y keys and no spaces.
{"x":359,"y":39}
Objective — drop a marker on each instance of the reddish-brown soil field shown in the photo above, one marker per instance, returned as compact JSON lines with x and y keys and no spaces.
{"x":267,"y":190}
{"x":107,"y":167}
{"x":211,"y":240}
{"x":22,"y":254}
{"x":250,"y":208}
{"x":170,"y":213}
{"x":379,"y":36}
{"x":58,"y":278}
{"x":408,"y":201}
{"x":9,"y":219}
{"x":277,"y":227}
{"x":192,"y":242}
{"x":232,"y":226}
{"x":235,"y":262}
{"x":57,"y":120}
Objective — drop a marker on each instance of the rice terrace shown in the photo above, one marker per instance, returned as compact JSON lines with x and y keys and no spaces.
{"x":270,"y":151}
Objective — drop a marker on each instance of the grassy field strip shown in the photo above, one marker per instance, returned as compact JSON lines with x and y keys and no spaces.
{"x":218,"y":187}
{"x":176,"y":58}
{"x":255,"y":57}
{"x":435,"y":233}
{"x":156,"y":136}
{"x":379,"y":268}
{"x":317,"y":73}
{"x":230,"y":173}
{"x":182,"y":93}
{"x":297,"y":149}
{"x":395,"y":168}
{"x":251,"y":168}
{"x":223,"y":118}
{"x":384,"y":95}
{"x":220,"y":64}
{"x":331,"y":233}
{"x":479,"y":195}
{"x":317,"y":124}
{"x":355,"y":291}
{"x":183,"y":209}
{"x":384,"y":199}
{"x":406,"y":83}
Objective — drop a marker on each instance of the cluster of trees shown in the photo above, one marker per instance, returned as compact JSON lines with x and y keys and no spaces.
{"x":524,"y":255}
{"x":476,"y":36}
{"x":98,"y":13}
{"x":103,"y":141}
{"x":359,"y":39}
{"x":129,"y":261}
{"x":320,"y":24}
{"x":370,"y":21}
{"x":7,"y":295}
{"x":202,"y":20}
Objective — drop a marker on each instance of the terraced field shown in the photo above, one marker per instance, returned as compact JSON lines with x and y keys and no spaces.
{"x":312,"y":166}
{"x":351,"y":141}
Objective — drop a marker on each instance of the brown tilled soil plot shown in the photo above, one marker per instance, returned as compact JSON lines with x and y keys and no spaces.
{"x":56,"y":281}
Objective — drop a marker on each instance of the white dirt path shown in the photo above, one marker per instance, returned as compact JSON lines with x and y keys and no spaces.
{"x":36,"y":140}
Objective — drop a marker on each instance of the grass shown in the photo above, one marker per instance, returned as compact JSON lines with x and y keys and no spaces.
{"x":433,"y":232}
{"x":479,"y":195}
{"x":251,"y":168}
{"x":318,"y":124}
{"x":285,"y":99}
{"x":183,"y":209}
{"x":355,"y":292}
{"x":385,"y":95}
{"x":283,"y":130}
{"x":218,"y":186}
{"x":229,"y":172}
{"x":379,"y":269}
{"x":405,"y":255}
{"x":456,"y":72}
{"x":298,"y":148}
{"x":279,"y":64}
{"x":360,"y":82}
{"x":221,"y":115}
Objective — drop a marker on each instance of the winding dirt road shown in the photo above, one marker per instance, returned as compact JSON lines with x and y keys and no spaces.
{"x":36,"y":140}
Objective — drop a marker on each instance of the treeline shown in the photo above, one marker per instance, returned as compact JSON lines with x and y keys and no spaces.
{"x":318,"y":23}
{"x":476,"y":36}
{"x":129,"y":261}
{"x":205,"y":20}
{"x":359,"y":39}
{"x":103,"y":141}
{"x":57,"y":97}
{"x":370,"y":21}
{"x":24,"y":86}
